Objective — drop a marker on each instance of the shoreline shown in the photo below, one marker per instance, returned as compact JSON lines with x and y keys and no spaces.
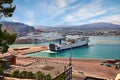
{"x":68,"y":58}
{"x":89,"y":67}
{"x":34,"y":49}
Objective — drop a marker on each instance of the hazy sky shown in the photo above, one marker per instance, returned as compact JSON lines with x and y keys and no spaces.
{"x":65,"y":12}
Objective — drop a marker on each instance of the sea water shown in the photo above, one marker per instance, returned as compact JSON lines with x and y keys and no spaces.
{"x":100,"y":47}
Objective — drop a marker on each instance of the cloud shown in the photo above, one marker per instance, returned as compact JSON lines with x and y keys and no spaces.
{"x":22,"y":14}
{"x":29,"y":17}
{"x":92,"y":10}
{"x":89,"y":11}
{"x":69,"y":18}
{"x":57,"y":8}
{"x":111,"y":19}
{"x":61,"y":3}
{"x":71,"y":1}
{"x":13,"y":19}
{"x":30,"y":14}
{"x":58,"y":12}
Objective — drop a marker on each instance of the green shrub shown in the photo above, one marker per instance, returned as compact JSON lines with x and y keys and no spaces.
{"x":48,"y":77}
{"x":23,"y":74}
{"x":30,"y":75}
{"x":39,"y":75}
{"x":15,"y":74}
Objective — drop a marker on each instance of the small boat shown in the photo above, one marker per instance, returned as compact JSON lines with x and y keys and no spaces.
{"x":69,"y":42}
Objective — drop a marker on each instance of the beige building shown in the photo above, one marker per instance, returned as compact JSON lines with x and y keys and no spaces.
{"x":117,"y":77}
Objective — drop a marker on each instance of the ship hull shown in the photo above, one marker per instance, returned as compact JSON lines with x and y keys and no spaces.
{"x":52,"y":48}
{"x":72,"y":47}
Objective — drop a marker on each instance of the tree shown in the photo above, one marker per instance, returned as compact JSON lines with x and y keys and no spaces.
{"x":23,"y":74}
{"x":1,"y":70}
{"x":48,"y":77}
{"x":6,"y":39}
{"x":15,"y":74}
{"x":6,"y":8}
{"x":61,"y":77}
{"x":30,"y":75}
{"x":39,"y":75}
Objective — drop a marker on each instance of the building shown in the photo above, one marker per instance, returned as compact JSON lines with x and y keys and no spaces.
{"x":7,"y":59}
{"x":117,"y":77}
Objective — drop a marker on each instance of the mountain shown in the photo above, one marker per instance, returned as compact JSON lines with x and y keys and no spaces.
{"x":15,"y":27}
{"x":22,"y":29}
{"x":100,"y":26}
{"x":92,"y":26}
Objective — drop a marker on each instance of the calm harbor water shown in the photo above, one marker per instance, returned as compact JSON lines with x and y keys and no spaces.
{"x":99,"y":47}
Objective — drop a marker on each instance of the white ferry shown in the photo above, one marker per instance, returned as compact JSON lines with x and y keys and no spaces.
{"x":69,"y":43}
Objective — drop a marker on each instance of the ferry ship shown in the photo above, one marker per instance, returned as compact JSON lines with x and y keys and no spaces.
{"x":69,"y":43}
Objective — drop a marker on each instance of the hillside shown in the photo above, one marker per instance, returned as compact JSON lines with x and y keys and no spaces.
{"x":23,"y":29}
{"x":92,"y":26}
{"x":15,"y":27}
